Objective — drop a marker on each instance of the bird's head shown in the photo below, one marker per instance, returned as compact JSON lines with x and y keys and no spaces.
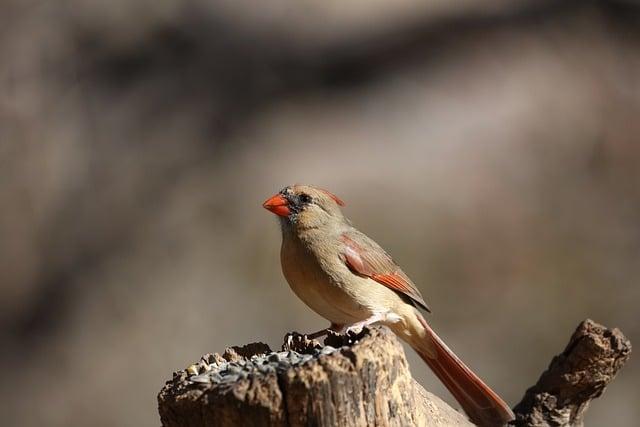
{"x":305,"y":206}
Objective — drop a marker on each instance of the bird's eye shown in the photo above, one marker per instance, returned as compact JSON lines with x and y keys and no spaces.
{"x":305,"y":198}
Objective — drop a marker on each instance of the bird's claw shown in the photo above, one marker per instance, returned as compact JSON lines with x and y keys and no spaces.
{"x":290,"y":340}
{"x":353,"y":330}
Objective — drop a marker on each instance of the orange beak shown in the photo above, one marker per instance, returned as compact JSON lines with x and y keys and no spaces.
{"x":278,"y":205}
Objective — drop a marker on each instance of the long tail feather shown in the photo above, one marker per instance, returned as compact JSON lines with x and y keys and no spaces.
{"x":483,"y":406}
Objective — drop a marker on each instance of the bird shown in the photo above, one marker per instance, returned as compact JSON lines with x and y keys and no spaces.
{"x":347,"y":278}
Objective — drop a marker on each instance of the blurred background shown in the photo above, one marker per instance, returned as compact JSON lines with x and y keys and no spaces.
{"x":491,"y":146}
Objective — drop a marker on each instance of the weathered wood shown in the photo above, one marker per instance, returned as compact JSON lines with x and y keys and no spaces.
{"x":576,"y":376}
{"x":359,"y":380}
{"x":364,"y":380}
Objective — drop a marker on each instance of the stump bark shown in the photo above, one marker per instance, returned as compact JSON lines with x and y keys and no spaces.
{"x":364,"y":380}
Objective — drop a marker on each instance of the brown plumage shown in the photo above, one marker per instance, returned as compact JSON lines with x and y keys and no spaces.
{"x":348,"y":279}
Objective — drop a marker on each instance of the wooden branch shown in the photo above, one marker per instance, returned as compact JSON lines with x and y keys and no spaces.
{"x":576,"y":376}
{"x":364,"y":380}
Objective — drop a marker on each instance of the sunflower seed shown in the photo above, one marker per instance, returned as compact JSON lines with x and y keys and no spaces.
{"x":203,"y":379}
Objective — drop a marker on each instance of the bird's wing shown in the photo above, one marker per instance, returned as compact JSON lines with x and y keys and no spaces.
{"x":366,"y":258}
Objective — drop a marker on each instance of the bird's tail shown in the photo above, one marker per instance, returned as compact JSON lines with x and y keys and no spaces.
{"x":483,"y":406}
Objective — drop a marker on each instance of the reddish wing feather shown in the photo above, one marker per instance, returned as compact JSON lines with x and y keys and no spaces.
{"x":370,"y":260}
{"x":393,"y":281}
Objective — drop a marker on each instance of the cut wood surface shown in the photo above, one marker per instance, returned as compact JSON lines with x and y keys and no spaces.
{"x":364,"y":380}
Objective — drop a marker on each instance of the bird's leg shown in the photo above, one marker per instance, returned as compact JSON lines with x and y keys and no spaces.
{"x":293,"y":339}
{"x":357,"y":327}
{"x":334,"y":327}
{"x":318,"y":334}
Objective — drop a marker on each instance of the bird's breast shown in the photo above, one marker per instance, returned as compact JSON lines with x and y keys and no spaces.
{"x":317,"y":284}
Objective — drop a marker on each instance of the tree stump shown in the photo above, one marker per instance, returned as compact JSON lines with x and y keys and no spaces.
{"x":364,"y":380}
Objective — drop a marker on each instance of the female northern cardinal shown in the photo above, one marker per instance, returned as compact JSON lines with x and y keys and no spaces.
{"x":348,"y":279}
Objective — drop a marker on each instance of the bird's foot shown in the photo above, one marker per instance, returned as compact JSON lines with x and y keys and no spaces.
{"x":304,"y":342}
{"x":297,"y":341}
{"x":318,"y":334}
{"x":326,"y":331}
{"x":356,"y":328}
